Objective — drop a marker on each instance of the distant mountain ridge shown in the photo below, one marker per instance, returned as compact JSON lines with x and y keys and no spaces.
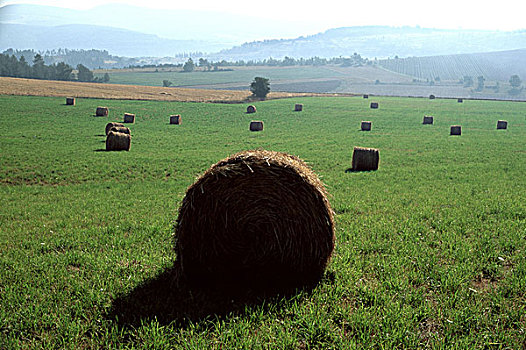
{"x":137,"y":32}
{"x":211,"y":30}
{"x":118,"y":41}
{"x":381,"y":42}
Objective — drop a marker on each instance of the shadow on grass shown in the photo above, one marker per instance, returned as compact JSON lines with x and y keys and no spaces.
{"x":351,"y":170}
{"x":170,"y":299}
{"x":100,"y":150}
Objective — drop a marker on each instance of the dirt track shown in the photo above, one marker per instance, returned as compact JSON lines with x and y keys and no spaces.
{"x":33,"y":87}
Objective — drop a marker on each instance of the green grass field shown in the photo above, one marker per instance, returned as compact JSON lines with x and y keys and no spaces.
{"x":239,"y":75}
{"x":430,"y":248}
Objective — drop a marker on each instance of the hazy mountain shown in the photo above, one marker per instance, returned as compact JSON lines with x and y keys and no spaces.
{"x":133,"y":31}
{"x":117,"y":41}
{"x":381,"y":41}
{"x":222,"y":29}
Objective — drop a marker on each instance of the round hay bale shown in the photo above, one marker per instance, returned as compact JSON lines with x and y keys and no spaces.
{"x":365,"y":96}
{"x":502,"y":124}
{"x":365,"y":159}
{"x":251,"y":109}
{"x":258,"y":219}
{"x":431,"y":97}
{"x":366,"y":126}
{"x":374,"y":105}
{"x":102,"y":111}
{"x":455,"y":130}
{"x":298,"y":107}
{"x":256,"y":125}
{"x":428,"y":119}
{"x":129,"y":118}
{"x":460,"y":100}
{"x":121,"y":129}
{"x":111,"y":125}
{"x":70,"y":101}
{"x":117,"y":141}
{"x":175,"y":119}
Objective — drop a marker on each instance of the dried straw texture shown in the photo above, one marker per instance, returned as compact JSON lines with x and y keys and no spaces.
{"x":129,"y":118}
{"x":176,"y":119}
{"x":455,"y":130}
{"x":298,"y":107}
{"x":374,"y":105}
{"x":70,"y":101}
{"x":256,"y":125}
{"x":366,"y":126}
{"x":116,"y":141}
{"x":121,"y":129}
{"x":502,"y":124}
{"x":258,"y":219}
{"x":102,"y":111}
{"x":251,"y":109}
{"x":428,"y":119}
{"x":111,"y":125}
{"x":365,"y":159}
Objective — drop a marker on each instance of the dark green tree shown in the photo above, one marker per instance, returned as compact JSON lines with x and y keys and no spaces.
{"x":166,"y":83}
{"x":106,"y":78}
{"x":260,"y":87}
{"x":39,"y":68}
{"x":189,"y":65}
{"x":84,"y":74}
{"x":515,"y":81}
{"x":23,"y":71}
{"x":63,"y":71}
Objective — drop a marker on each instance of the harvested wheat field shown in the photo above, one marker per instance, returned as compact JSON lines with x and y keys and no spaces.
{"x":33,"y":87}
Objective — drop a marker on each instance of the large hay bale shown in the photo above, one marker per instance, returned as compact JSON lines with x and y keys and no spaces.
{"x":129,"y":118}
{"x":121,"y":129}
{"x":455,"y":130}
{"x":251,"y":109}
{"x":460,"y":100}
{"x":374,"y":105}
{"x":298,"y":107}
{"x":111,"y":125}
{"x":365,"y":159}
{"x":431,"y":97}
{"x":102,"y":111}
{"x":502,"y":124}
{"x":256,"y":125}
{"x":428,"y":119}
{"x":366,"y":126}
{"x":366,"y":96}
{"x":258,"y":219}
{"x":176,"y":119}
{"x":70,"y":101}
{"x":117,"y":141}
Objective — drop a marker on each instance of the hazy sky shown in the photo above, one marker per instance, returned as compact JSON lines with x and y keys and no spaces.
{"x":453,"y":14}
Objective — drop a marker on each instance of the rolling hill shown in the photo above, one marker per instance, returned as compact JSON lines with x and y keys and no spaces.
{"x":381,"y":42}
{"x":136,"y":32}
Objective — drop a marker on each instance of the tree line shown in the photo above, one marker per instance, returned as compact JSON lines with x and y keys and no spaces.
{"x":90,"y":58}
{"x":211,"y":65}
{"x":11,"y":66}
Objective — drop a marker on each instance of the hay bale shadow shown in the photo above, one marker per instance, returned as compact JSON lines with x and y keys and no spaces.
{"x":100,"y":135}
{"x":170,"y":299}
{"x":351,"y":170}
{"x":100,"y":150}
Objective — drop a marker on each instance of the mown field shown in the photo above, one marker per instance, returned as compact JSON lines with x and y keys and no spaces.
{"x":430,"y":248}
{"x":400,"y":77}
